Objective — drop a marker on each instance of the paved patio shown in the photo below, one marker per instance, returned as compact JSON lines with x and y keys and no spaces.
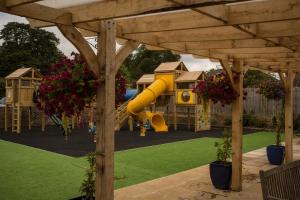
{"x":195,"y":184}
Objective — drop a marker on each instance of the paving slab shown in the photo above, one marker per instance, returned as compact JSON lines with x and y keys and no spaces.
{"x":195,"y":184}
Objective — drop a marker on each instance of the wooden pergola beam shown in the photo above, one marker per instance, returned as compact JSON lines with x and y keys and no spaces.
{"x":117,"y":9}
{"x":15,"y":3}
{"x":220,"y":44}
{"x":218,"y":15}
{"x":267,"y":55}
{"x":74,"y":36}
{"x":225,"y":65}
{"x":124,"y":51}
{"x":35,"y":11}
{"x":265,"y":30}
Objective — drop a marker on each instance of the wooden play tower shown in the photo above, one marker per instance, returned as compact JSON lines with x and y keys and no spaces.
{"x":179,"y":102}
{"x":20,"y":86}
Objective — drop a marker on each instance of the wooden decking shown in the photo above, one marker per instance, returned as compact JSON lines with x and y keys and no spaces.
{"x":195,"y":184}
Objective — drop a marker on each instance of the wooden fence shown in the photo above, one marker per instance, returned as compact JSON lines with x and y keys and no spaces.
{"x":259,"y":105}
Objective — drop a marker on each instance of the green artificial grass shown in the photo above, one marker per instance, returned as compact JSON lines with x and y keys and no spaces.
{"x":30,"y":173}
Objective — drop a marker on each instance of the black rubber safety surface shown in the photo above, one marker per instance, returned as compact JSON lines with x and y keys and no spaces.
{"x":80,"y":141}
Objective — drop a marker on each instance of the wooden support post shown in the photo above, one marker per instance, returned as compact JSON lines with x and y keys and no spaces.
{"x":175,"y":117}
{"x":105,"y":109}
{"x":29,"y":118}
{"x":43,"y":122}
{"x":5,"y":117}
{"x":288,"y":106}
{"x":189,"y":117}
{"x":237,"y":129}
{"x":19,"y":121}
{"x":130,"y":123}
{"x":73,"y":122}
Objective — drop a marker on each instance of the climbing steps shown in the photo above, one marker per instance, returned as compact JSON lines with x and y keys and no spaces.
{"x":16,"y":117}
{"x":121,"y":115}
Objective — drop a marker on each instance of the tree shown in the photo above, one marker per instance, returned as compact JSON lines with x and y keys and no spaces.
{"x":254,"y":78}
{"x":144,"y":61}
{"x":24,"y":46}
{"x":2,"y":88}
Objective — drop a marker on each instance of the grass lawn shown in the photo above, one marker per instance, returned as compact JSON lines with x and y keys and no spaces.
{"x":29,"y":173}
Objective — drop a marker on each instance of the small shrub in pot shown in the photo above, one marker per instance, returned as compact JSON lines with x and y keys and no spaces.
{"x":221,"y":169}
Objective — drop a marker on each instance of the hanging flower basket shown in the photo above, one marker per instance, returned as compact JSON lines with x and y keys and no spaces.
{"x":218,"y":88}
{"x":272,"y":89}
{"x":70,"y":86}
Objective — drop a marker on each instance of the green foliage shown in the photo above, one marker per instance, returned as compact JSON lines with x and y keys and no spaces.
{"x":144,"y":61}
{"x":2,"y":88}
{"x":24,"y":46}
{"x":254,"y":78}
{"x":227,"y":121}
{"x":88,"y":186}
{"x":278,"y":123}
{"x":249,"y":119}
{"x":297,"y":123}
{"x":224,"y":148}
{"x":272,"y":90}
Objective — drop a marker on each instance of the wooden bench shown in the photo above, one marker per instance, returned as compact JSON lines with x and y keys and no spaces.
{"x":281,"y":183}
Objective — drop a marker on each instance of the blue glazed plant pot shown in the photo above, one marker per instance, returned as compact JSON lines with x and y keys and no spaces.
{"x":220,"y":174}
{"x":275,"y":154}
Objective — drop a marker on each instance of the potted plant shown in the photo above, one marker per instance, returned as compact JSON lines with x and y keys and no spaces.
{"x":221,"y":169}
{"x":275,"y":152}
{"x":274,"y":90}
{"x":87,"y":188}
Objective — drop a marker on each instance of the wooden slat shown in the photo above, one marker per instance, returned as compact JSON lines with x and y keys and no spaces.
{"x":35,"y":11}
{"x":15,"y":3}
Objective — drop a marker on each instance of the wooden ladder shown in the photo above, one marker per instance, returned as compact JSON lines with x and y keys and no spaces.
{"x":121,"y":115}
{"x":16,"y":117}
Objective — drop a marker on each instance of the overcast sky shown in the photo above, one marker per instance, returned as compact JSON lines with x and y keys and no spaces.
{"x":66,"y":47}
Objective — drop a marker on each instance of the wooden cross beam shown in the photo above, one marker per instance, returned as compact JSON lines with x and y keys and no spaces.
{"x":15,"y":3}
{"x":228,"y":71}
{"x":124,"y":51}
{"x":74,"y":36}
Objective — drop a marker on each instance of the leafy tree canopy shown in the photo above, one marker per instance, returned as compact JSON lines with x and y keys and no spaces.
{"x":254,"y":78}
{"x":144,"y":61}
{"x":23,"y":46}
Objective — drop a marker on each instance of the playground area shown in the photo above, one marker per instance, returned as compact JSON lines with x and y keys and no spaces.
{"x":80,"y":141}
{"x":129,"y":112}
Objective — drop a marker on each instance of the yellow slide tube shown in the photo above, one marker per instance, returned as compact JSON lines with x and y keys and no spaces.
{"x":136,"y":106}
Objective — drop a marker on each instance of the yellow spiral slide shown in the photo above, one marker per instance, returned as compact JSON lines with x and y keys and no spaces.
{"x":136,"y":107}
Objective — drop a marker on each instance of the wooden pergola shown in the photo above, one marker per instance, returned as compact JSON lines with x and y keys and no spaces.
{"x":241,"y":34}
